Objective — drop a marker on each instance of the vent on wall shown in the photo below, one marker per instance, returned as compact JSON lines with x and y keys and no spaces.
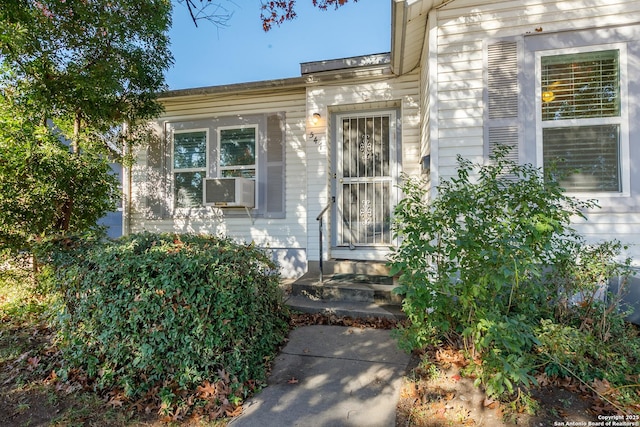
{"x":229,"y":192}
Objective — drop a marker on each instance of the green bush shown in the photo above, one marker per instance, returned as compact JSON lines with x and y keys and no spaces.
{"x":493,"y":261}
{"x":169,"y":312}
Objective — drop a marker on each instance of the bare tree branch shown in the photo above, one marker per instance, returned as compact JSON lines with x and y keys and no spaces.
{"x":277,"y":12}
{"x":272,"y":12}
{"x":208,"y":10}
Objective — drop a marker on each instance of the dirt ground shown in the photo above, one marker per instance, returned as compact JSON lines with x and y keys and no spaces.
{"x":436,"y":394}
{"x":450,"y":399}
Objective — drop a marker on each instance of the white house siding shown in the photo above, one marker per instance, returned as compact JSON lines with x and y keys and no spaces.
{"x":427,"y":114}
{"x":381,"y":93}
{"x":286,"y":237}
{"x":461,"y":27}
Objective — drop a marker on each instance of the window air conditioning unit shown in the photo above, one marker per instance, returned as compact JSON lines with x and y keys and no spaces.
{"x":229,"y":192}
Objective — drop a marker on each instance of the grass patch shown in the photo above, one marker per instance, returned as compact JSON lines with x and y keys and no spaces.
{"x":23,"y":311}
{"x":20,"y":298}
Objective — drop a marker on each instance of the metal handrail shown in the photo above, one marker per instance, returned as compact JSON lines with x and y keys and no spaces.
{"x":319,"y":219}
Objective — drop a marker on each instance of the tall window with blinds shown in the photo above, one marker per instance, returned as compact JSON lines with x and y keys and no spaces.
{"x":581,"y":119}
{"x":189,"y":167}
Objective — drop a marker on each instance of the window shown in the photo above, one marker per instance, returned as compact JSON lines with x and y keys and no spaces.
{"x":252,"y":146}
{"x":189,"y":167}
{"x":580,"y":114}
{"x":238,"y":152}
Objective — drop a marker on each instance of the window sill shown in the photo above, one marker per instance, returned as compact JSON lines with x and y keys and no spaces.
{"x":213,"y":212}
{"x":598,"y":195}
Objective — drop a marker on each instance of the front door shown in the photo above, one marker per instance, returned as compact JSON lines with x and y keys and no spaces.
{"x":365,"y":180}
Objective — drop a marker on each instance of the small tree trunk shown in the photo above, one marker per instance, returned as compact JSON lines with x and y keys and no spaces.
{"x":67,"y":206}
{"x":127,"y":182}
{"x":75,"y":143}
{"x":65,"y":220}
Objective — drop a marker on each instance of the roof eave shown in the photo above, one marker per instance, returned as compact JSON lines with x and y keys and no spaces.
{"x":401,"y":20}
{"x":287,"y":83}
{"x":311,"y":79}
{"x":398,"y":34}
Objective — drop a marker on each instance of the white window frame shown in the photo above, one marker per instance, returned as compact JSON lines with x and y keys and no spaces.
{"x":174,"y":170}
{"x":219,"y":168}
{"x":622,"y":120}
{"x":256,"y":149}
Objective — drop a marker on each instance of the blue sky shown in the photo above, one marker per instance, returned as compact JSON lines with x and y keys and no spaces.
{"x":243,"y":52}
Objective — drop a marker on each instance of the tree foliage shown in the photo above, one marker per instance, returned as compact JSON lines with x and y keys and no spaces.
{"x":87,"y":64}
{"x":73,"y":72}
{"x":277,"y":12}
{"x":44,"y":188}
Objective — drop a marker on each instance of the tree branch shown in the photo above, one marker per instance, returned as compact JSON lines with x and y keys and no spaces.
{"x":277,"y":12}
{"x":219,"y":16}
{"x":190,"y":7}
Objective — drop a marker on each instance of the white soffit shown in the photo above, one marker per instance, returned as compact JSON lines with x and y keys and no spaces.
{"x":409,"y":24}
{"x":409,"y":28}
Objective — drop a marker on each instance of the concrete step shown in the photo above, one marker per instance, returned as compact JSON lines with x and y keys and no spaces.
{"x":354,"y":309}
{"x":353,"y":293}
{"x":347,"y":287}
{"x":337,"y":266}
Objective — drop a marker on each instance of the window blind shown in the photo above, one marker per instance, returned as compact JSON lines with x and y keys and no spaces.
{"x":584,"y":157}
{"x":583,"y":85}
{"x":190,"y":150}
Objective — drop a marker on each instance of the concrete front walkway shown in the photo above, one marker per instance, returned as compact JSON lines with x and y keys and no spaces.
{"x":331,"y":376}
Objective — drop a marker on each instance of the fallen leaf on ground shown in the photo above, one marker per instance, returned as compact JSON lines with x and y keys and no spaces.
{"x":489,"y":403}
{"x":206,"y":389}
{"x":237,"y":411}
{"x":33,"y":362}
{"x":602,"y":387}
{"x":115,"y":402}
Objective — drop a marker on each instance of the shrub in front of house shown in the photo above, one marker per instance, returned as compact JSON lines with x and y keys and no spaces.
{"x":492,"y":263}
{"x":168,"y":314}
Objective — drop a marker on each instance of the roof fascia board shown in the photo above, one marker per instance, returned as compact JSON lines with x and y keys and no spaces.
{"x":289,"y":83}
{"x":398,"y":34}
{"x":326,"y":77}
{"x":357,"y":62}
